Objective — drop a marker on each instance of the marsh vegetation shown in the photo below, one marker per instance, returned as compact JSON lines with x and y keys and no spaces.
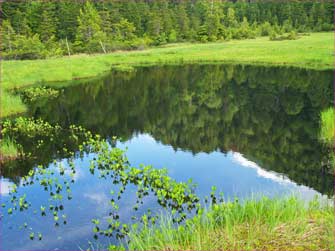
{"x":167,"y":125}
{"x":265,"y":224}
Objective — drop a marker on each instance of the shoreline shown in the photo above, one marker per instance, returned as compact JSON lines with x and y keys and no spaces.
{"x":308,"y":52}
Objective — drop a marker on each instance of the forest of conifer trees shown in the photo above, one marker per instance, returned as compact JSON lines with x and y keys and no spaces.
{"x":33,"y":29}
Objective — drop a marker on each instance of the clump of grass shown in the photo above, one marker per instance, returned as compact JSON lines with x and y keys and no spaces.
{"x":290,"y":36}
{"x":123,"y":68}
{"x":327,"y":126}
{"x":8,"y":149}
{"x":10,"y":104}
{"x":266,"y":224}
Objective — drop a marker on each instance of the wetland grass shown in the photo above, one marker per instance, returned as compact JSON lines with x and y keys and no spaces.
{"x":8,"y":149}
{"x":265,"y":224}
{"x":327,"y":125}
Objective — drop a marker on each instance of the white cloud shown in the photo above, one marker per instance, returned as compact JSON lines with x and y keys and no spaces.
{"x":99,"y":198}
{"x":5,"y":187}
{"x":238,"y":158}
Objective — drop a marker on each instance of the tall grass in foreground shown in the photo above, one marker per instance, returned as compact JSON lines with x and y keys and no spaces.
{"x":266,"y":224}
{"x":327,"y":125}
{"x":8,"y":149}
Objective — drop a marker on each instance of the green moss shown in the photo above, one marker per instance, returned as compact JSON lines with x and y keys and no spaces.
{"x":313,"y":52}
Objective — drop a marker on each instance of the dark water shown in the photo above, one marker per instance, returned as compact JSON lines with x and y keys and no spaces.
{"x":249,"y":131}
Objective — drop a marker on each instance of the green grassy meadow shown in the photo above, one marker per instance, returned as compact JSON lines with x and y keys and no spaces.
{"x":313,"y":52}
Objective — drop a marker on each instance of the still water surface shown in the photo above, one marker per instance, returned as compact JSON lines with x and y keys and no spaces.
{"x":249,"y":131}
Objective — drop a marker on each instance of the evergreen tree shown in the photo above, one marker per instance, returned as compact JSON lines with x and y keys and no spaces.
{"x":7,"y":36}
{"x":47,"y":26}
{"x":245,"y":29}
{"x":286,"y":13}
{"x":89,"y":32}
{"x":126,"y":30}
{"x":212,"y":20}
{"x":20,"y":24}
{"x":231,"y":21}
{"x":95,"y":26}
{"x":67,"y":12}
{"x":183,"y":22}
{"x":106,"y":21}
{"x":154,"y":25}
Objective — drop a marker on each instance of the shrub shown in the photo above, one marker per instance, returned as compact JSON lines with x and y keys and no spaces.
{"x":26,"y":48}
{"x":266,"y":29}
{"x":273,"y":36}
{"x":327,"y":27}
{"x":54,"y":48}
{"x":172,"y":36}
{"x":160,"y":39}
{"x":291,"y":36}
{"x":139,"y":43}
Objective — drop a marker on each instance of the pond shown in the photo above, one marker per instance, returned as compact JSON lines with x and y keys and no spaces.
{"x":249,"y":131}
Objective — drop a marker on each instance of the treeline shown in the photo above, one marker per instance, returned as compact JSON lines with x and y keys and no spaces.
{"x":34,"y":29}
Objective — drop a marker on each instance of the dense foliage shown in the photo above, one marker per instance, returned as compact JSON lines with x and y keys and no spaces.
{"x":37,"y":29}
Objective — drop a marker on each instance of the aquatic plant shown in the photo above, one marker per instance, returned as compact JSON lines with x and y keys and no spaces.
{"x":28,"y":127}
{"x":110,"y":163}
{"x":34,"y":93}
{"x":38,"y":133}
